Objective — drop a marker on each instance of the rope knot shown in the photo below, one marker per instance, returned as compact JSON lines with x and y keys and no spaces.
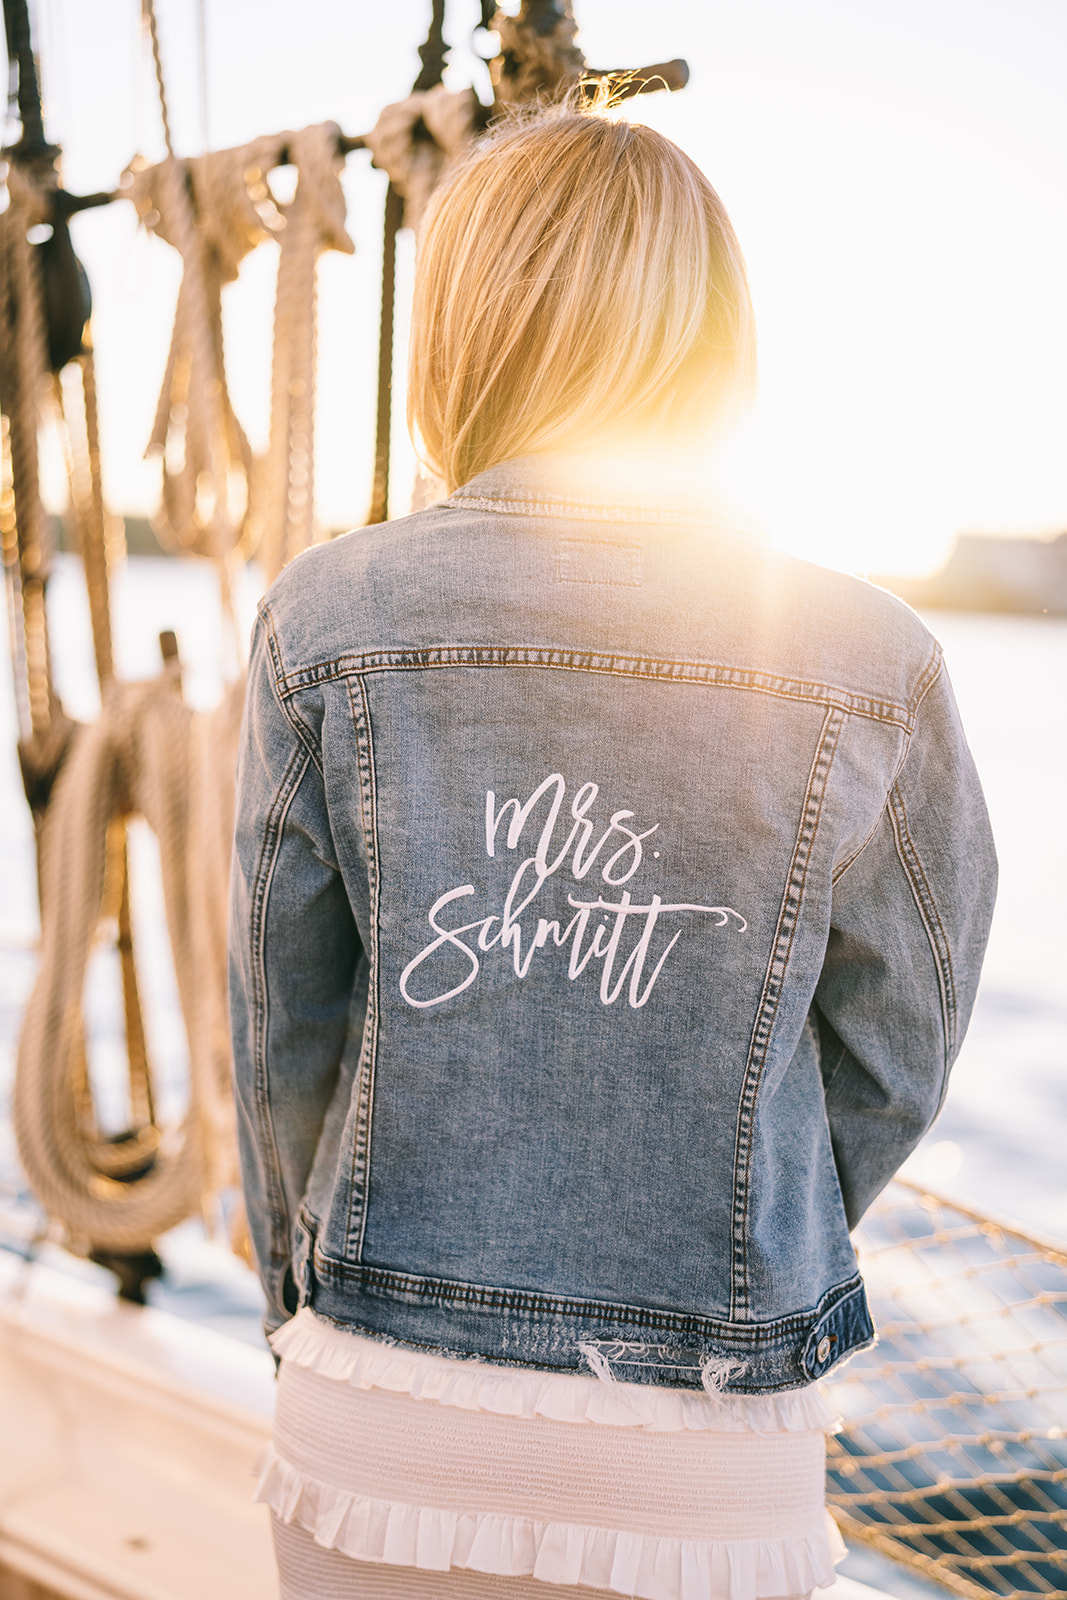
{"x":417,"y":140}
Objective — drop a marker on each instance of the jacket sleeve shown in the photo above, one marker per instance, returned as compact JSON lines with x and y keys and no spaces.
{"x":909,"y":923}
{"x":293,"y":955}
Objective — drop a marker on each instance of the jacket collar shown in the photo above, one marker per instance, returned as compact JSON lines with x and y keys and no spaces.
{"x":598,"y":489}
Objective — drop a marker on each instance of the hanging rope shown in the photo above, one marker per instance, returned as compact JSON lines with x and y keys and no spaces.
{"x":313,"y":221}
{"x":205,"y":457}
{"x":394,"y":216}
{"x":22,"y":377}
{"x":229,"y":193}
{"x":81,"y":451}
{"x":148,"y":754}
{"x":413,"y":141}
{"x":87,"y":514}
{"x":44,"y":304}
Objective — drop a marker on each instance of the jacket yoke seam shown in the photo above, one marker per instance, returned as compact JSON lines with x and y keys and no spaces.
{"x":270,"y":851}
{"x":493,"y":656}
{"x":368,"y":809}
{"x":926,"y":905}
{"x":929,"y":676}
{"x":926,"y":682}
{"x":286,"y":701}
{"x":767,"y":1011}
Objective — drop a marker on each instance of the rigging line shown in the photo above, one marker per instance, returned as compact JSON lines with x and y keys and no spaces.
{"x":433,"y":53}
{"x":21,"y":61}
{"x":394,"y":216}
{"x":201,"y":52}
{"x":148,"y":16}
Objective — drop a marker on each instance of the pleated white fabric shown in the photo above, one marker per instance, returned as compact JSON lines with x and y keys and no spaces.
{"x":458,"y":1475}
{"x":310,"y":1572}
{"x":309,"y":1341}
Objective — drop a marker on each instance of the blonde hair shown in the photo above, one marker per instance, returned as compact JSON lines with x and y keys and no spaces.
{"x":578,"y":277}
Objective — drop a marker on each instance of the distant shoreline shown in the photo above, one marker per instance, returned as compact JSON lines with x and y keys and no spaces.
{"x":985,"y":572}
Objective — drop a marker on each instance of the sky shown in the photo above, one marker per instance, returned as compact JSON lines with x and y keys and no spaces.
{"x":896,"y":173}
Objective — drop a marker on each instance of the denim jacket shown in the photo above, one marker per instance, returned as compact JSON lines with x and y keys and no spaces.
{"x":609,"y":898}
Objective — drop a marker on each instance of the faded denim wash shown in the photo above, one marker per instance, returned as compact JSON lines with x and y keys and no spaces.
{"x":609,"y":898}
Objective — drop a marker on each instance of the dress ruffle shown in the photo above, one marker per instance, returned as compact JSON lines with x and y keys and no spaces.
{"x":653,"y":1568}
{"x":310,"y":1342}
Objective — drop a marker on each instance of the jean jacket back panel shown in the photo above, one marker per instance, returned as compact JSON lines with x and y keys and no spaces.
{"x":609,"y":898}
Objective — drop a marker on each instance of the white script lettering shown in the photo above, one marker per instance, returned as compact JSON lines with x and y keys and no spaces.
{"x":504,"y":929}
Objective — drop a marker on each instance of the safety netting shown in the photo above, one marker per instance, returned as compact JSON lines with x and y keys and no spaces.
{"x":952,"y":1457}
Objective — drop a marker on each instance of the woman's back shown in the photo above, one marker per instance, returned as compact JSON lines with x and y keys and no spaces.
{"x":590,"y":773}
{"x":609,"y":895}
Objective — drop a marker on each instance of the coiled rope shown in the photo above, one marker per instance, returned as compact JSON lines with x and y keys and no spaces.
{"x":148,"y":753}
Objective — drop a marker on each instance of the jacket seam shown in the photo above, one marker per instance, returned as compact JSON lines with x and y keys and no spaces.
{"x":445,"y":657}
{"x":580,"y":511}
{"x":827,"y":1082}
{"x":927,"y":678}
{"x":773,"y":983}
{"x":286,"y":700}
{"x":925,"y":684}
{"x":489,"y":1297}
{"x":846,"y":866}
{"x":926,"y":905}
{"x":359,"y":1176}
{"x":261,"y":887}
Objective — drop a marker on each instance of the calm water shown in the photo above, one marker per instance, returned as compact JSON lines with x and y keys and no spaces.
{"x":999,"y":1143}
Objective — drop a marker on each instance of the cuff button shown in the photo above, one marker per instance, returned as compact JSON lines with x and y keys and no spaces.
{"x":822,"y":1352}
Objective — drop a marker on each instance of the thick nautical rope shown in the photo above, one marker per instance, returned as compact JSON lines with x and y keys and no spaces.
{"x":81,"y":442}
{"x":196,"y":432}
{"x":81,"y":449}
{"x":313,"y":221}
{"x":149,"y":754}
{"x":24,"y":339}
{"x":202,"y":448}
{"x":417,"y":140}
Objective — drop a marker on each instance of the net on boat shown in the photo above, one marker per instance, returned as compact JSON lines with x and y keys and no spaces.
{"x":953,"y":1453}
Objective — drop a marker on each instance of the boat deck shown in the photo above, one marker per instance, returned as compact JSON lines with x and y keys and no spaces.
{"x":130,"y":1440}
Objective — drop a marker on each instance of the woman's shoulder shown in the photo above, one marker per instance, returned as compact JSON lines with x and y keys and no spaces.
{"x":330,"y":589}
{"x":840,"y":627}
{"x":340,"y":557}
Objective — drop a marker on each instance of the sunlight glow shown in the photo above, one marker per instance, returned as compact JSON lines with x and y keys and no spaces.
{"x":894,"y":175}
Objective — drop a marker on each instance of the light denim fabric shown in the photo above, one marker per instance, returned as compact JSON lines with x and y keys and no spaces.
{"x":608,"y":904}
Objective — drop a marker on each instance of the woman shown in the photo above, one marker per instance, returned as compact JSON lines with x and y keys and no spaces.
{"x":609,"y":898}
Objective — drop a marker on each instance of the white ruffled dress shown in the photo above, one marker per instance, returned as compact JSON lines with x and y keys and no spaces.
{"x":398,"y":1475}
